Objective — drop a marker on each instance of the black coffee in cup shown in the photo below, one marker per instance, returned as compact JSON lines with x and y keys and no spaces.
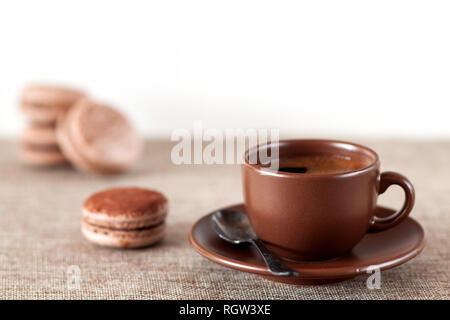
{"x":319,"y":164}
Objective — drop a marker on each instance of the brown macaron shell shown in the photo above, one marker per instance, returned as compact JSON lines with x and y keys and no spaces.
{"x":69,"y":151}
{"x":43,"y":104}
{"x":118,"y":145}
{"x":130,"y":213}
{"x":98,"y":138}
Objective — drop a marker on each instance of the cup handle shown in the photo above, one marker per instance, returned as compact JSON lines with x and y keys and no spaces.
{"x":387,"y":179}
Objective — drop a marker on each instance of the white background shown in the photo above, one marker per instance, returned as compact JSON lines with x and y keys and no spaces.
{"x":313,"y":68}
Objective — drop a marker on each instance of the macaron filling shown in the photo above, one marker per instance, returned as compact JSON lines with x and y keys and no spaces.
{"x":43,"y":148}
{"x":123,"y":229}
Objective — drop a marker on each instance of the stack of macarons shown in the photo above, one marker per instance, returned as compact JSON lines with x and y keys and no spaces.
{"x":42,"y":105}
{"x":65,"y":125}
{"x":127,"y":217}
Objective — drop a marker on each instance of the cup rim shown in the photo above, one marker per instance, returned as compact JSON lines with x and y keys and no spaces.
{"x":267,"y":171}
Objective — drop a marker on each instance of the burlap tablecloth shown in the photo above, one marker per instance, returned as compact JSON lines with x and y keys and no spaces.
{"x":40,"y":233}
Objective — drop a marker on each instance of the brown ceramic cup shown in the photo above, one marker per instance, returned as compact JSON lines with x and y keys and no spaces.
{"x":318,"y":216}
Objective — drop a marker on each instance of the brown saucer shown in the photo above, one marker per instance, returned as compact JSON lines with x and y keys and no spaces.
{"x":385,"y":250}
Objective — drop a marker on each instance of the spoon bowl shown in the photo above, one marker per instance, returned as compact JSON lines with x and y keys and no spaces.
{"x":234,"y":227}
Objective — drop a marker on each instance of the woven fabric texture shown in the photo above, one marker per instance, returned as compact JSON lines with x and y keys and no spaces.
{"x":42,"y":249}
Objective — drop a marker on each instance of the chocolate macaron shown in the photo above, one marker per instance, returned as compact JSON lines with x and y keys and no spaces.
{"x":97,"y":138}
{"x":39,"y":135}
{"x":39,"y":147}
{"x":129,"y":217}
{"x":43,"y":104}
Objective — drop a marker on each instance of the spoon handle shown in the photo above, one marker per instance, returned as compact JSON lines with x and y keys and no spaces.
{"x":275,"y":265}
